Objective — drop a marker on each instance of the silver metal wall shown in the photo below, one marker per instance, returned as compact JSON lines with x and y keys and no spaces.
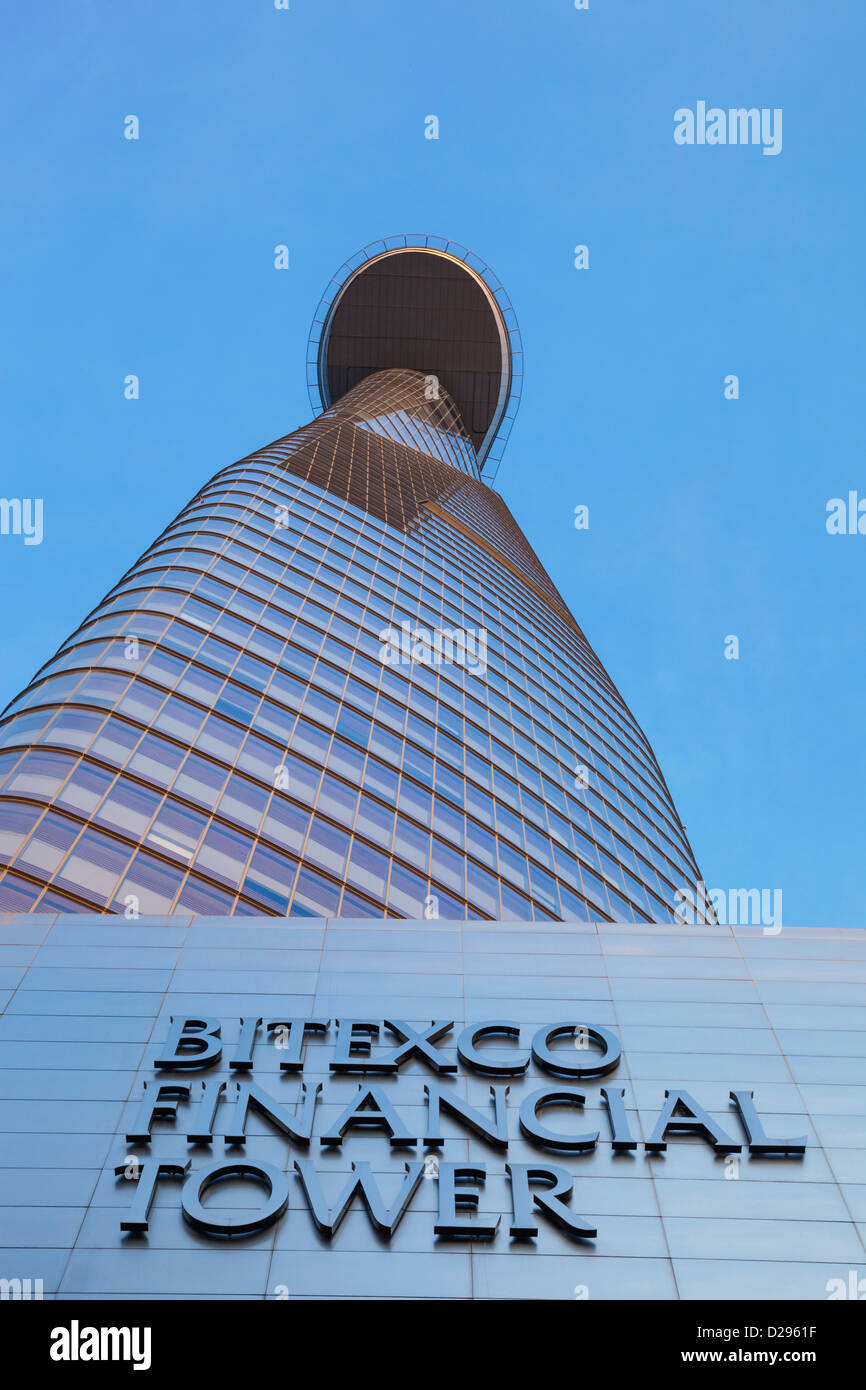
{"x":85,"y":1002}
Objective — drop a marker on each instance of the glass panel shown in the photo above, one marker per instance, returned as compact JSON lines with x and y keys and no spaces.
{"x":85,"y":788}
{"x":49,"y":844}
{"x":39,"y":775}
{"x":150,"y":885}
{"x":368,"y":870}
{"x":327,"y":847}
{"x":129,"y":808}
{"x":223,"y":854}
{"x":203,"y":898}
{"x":95,"y":865}
{"x":314,"y":896}
{"x":16,"y":823}
{"x":270,"y":879}
{"x":177,"y":831}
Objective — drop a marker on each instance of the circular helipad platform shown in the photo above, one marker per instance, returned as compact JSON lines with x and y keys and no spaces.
{"x":428,"y":308}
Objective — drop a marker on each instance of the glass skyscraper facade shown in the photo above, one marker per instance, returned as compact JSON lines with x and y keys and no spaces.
{"x":341,"y":683}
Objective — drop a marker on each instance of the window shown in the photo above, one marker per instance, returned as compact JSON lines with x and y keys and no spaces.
{"x":95,"y":865}
{"x":200,"y":780}
{"x":269,"y":880}
{"x":40,"y":774}
{"x":327,"y":847}
{"x":243,"y":802}
{"x":407,"y":892}
{"x":223,"y":854}
{"x":155,"y":760}
{"x":17,"y":823}
{"x":203,"y":898}
{"x":151,"y":884}
{"x":48,"y":846}
{"x":368,"y":870}
{"x":314,"y":896}
{"x":177,"y":831}
{"x":412,"y":844}
{"x":286,"y":824}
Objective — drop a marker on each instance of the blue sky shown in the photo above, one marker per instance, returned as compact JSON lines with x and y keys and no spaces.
{"x":306,"y":127}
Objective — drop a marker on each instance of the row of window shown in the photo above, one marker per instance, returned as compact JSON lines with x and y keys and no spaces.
{"x":525,"y":763}
{"x":435,"y":808}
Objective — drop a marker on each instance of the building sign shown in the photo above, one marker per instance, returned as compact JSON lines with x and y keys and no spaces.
{"x":207,"y":1090}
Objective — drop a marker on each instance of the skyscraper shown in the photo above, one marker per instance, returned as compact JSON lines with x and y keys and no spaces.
{"x":341,"y":682}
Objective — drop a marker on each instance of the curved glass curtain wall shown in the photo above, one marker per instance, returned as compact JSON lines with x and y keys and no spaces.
{"x":221,"y":736}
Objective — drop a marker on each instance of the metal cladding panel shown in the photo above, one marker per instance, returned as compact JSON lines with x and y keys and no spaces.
{"x":705,"y":1010}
